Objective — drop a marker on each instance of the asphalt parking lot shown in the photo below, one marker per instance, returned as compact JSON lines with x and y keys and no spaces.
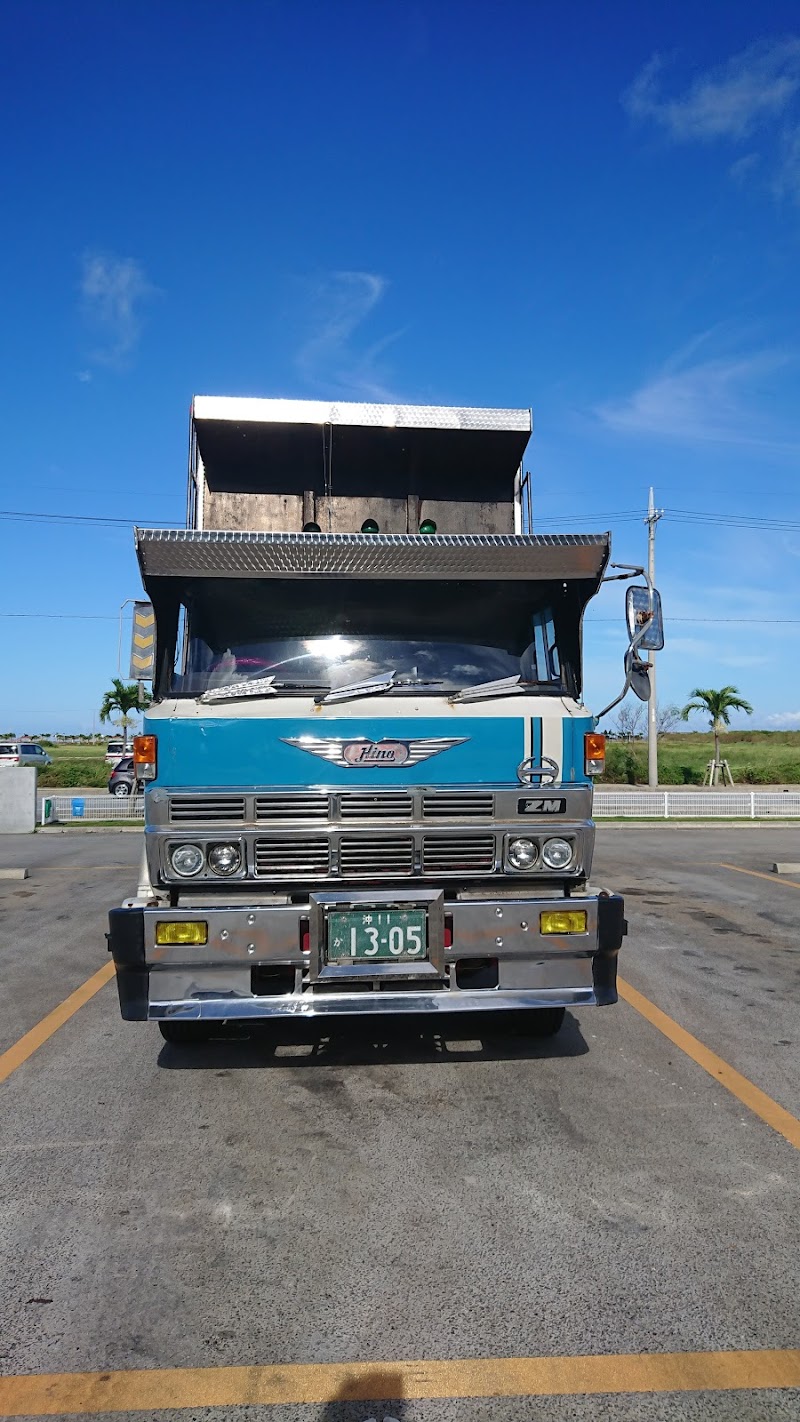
{"x":399,"y":1224}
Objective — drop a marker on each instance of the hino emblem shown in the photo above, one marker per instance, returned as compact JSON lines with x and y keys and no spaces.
{"x":368,"y":755}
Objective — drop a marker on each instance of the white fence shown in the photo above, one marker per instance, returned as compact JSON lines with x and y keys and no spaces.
{"x":78,"y":809}
{"x":608,"y":804}
{"x":697,"y":804}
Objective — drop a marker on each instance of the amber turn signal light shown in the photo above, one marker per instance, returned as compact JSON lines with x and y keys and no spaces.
{"x":594,"y":751}
{"x":144,"y":757}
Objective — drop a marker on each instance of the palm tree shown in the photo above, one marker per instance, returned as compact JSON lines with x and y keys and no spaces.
{"x":718,"y":706}
{"x":124,"y":697}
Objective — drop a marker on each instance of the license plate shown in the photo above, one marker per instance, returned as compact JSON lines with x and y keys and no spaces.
{"x":378,"y":936}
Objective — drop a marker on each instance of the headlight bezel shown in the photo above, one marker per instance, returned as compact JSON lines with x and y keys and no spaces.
{"x":567,"y":864}
{"x":175,"y":849}
{"x":236,"y":868}
{"x":511,"y":844}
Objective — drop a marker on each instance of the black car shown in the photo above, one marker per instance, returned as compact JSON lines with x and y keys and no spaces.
{"x":122,"y":780}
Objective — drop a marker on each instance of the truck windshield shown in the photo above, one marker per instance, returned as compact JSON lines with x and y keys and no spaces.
{"x":426,"y":634}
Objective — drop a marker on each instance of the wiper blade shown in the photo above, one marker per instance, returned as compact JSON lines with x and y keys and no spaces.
{"x":373,"y":685}
{"x":237,"y":690}
{"x":370,"y":687}
{"x":485,"y":689}
{"x":258,"y":686}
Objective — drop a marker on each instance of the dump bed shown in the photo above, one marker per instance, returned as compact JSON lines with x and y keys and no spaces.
{"x":278,"y":465}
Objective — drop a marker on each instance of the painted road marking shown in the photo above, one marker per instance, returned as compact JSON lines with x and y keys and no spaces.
{"x":57,"y":1394}
{"x":751,"y":1096}
{"x":757,"y":874}
{"x":38,"y":1035}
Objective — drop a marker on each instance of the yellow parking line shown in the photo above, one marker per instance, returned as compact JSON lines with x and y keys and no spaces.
{"x":33,"y":1040}
{"x":757,"y":874}
{"x":751,"y":1096}
{"x":159,"y":1389}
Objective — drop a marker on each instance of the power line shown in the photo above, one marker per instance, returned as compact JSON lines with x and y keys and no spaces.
{"x":64,"y":616}
{"x":32,"y":517}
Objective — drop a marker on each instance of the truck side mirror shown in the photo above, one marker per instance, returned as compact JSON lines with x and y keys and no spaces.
{"x":637,"y":675}
{"x":645,"y":621}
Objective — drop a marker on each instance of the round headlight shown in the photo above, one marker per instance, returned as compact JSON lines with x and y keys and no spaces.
{"x":522,"y":853}
{"x":556,"y":853}
{"x":225,"y":858}
{"x":187,"y":860}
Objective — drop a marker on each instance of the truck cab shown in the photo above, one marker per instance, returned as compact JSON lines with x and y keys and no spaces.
{"x":368,"y":763}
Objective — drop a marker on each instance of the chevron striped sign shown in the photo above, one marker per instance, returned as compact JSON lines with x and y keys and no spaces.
{"x":143,"y":642}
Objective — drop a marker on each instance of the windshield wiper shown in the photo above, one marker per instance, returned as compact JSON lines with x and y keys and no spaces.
{"x":507,"y":686}
{"x":369,"y":687}
{"x":257,"y":686}
{"x":373,"y":686}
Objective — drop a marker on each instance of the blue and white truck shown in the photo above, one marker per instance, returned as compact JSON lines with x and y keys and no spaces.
{"x":368,"y":762}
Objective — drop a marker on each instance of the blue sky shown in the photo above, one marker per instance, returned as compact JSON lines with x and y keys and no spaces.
{"x":590,"y":209}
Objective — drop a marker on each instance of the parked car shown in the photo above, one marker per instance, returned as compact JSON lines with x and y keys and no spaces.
{"x":23,"y":753}
{"x":115,"y":750}
{"x":122,"y":780}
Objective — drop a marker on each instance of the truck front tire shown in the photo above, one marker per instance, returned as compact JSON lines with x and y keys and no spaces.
{"x":185,"y":1034}
{"x":541,"y":1021}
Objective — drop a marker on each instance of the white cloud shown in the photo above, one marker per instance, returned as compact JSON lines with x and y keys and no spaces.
{"x":84,"y":376}
{"x":785,"y":719}
{"x":705,"y":402}
{"x":113,"y":291}
{"x":787,"y":179}
{"x":341,"y":303}
{"x":728,"y":101}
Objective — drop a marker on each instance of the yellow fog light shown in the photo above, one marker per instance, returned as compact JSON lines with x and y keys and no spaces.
{"x":562,"y":921}
{"x":171,"y":931}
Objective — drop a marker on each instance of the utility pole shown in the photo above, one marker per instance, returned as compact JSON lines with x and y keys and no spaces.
{"x":653,"y":515}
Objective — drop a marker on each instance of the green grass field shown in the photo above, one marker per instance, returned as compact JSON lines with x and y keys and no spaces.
{"x":755,"y":758}
{"x":75,"y":765}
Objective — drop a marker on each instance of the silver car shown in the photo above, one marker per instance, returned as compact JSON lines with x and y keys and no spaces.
{"x":23,"y":753}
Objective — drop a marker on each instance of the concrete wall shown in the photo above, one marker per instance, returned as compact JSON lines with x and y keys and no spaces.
{"x":18,"y":800}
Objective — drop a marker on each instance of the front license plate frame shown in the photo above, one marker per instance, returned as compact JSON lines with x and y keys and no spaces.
{"x":377,"y":935}
{"x":326,"y":902}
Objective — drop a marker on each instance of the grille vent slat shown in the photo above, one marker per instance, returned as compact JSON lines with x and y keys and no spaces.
{"x":287,"y":859}
{"x":207,"y":809}
{"x":376,"y":857}
{"x":453,"y":854}
{"x":458,"y":806}
{"x":292,"y":807}
{"x":354,"y":805}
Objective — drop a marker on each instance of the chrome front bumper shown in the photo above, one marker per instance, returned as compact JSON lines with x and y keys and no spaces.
{"x":281,"y":945}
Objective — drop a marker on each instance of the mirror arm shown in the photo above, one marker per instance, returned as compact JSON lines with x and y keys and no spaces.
{"x":633,"y":571}
{"x":610,"y":707}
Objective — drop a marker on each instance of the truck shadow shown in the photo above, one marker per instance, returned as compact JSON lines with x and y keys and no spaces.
{"x":370,"y":1395}
{"x":363,"y":1042}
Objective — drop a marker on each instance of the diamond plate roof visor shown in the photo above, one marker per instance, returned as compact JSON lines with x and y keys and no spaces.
{"x":178,"y":553}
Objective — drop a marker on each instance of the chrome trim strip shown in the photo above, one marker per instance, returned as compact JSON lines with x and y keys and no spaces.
{"x":359,"y":1004}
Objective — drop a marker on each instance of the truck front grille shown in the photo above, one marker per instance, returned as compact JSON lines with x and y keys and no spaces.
{"x":458,"y":805}
{"x":390,"y":856}
{"x":207,"y":809}
{"x":291,"y":858}
{"x":376,"y":858}
{"x":458,"y":854}
{"x":375,"y":805}
{"x":296,"y":806}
